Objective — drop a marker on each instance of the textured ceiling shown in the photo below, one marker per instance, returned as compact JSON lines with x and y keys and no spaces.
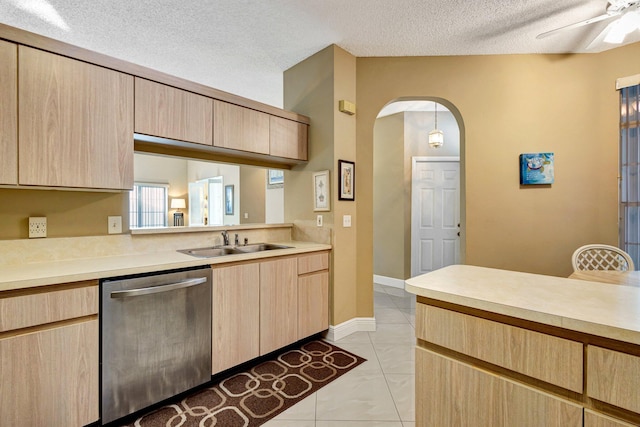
{"x":243,"y":46}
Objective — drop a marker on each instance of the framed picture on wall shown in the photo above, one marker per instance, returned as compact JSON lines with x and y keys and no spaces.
{"x":536,"y":168}
{"x":275,"y":178}
{"x":346,"y":180}
{"x":321,"y":191}
{"x":228,"y":199}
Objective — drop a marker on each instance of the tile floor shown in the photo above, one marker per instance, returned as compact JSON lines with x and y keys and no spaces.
{"x":378,"y":393}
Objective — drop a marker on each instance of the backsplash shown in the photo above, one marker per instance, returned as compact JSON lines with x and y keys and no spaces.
{"x":23,"y":251}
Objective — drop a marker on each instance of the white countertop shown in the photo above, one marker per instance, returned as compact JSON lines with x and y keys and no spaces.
{"x":30,"y":275}
{"x":611,"y":311}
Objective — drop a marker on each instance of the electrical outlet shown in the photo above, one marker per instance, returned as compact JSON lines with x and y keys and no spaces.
{"x":346,"y":220}
{"x":37,"y":227}
{"x":115,"y":225}
{"x":319,"y":220}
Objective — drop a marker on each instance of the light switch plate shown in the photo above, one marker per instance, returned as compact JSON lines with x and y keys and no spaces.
{"x":115,"y":224}
{"x":319,"y":220}
{"x":346,"y":220}
{"x":37,"y":227}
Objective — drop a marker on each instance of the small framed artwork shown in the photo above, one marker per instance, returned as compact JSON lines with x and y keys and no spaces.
{"x":275,"y":178}
{"x":346,"y":180}
{"x":536,"y":168}
{"x":321,"y":191}
{"x":228,"y":199}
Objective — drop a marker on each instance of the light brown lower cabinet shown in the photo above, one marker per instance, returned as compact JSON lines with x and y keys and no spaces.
{"x":235,"y":334}
{"x":612,"y":377}
{"x":594,"y":419}
{"x":452,"y":393}
{"x":262,"y":306}
{"x":49,"y":377}
{"x":313,"y":294}
{"x":278,"y":303}
{"x":313,"y":304}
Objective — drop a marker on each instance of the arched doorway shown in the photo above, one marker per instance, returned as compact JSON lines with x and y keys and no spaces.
{"x":400,"y":135}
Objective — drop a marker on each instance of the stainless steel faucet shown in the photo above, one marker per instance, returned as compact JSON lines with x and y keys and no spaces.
{"x":236,"y":240}
{"x":225,"y":237}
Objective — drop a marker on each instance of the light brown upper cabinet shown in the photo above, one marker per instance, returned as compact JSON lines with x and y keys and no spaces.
{"x":240,"y":128}
{"x":172,"y":113}
{"x":8,"y":113}
{"x":75,"y":123}
{"x":288,"y":138}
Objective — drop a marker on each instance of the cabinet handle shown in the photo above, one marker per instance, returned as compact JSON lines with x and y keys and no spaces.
{"x":158,"y":289}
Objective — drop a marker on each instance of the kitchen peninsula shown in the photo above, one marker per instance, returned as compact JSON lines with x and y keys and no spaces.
{"x":503,"y":348}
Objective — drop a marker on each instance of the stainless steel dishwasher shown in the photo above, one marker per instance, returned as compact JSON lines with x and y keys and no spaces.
{"x":155,"y":338}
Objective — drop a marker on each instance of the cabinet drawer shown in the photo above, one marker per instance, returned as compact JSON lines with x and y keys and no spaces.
{"x":612,"y":377}
{"x":313,"y":262}
{"x":50,"y":377}
{"x":551,"y":359}
{"x":593,"y":419}
{"x":451,"y":393}
{"x":46,"y":306}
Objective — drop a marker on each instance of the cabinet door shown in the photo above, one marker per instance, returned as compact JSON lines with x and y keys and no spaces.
{"x":313,"y":304}
{"x":240,"y":128}
{"x":287,"y":138}
{"x":8,"y":113}
{"x":50,"y":377}
{"x":172,"y":113}
{"x":451,"y":393}
{"x":75,"y":123}
{"x":594,"y":419}
{"x":278,"y":304}
{"x":235,"y":335}
{"x":612,"y":377}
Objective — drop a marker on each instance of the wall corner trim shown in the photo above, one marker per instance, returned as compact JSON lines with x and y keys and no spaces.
{"x":344,"y":329}
{"x":388,"y":281}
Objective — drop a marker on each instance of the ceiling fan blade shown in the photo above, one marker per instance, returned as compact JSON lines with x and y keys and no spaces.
{"x":600,"y":37}
{"x":616,"y":31}
{"x":578,"y":24}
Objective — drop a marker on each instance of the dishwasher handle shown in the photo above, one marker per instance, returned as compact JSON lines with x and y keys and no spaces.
{"x":157,"y":289}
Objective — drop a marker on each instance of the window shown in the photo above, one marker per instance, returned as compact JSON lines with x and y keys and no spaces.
{"x":148,"y":205}
{"x":630,"y":171}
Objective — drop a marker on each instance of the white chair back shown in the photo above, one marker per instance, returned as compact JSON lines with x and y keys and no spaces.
{"x":601,"y":257}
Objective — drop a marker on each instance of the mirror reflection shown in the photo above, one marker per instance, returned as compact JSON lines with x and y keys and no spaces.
{"x":172,"y":191}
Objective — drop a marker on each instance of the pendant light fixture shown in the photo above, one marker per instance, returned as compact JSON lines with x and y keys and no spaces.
{"x":436,"y":136}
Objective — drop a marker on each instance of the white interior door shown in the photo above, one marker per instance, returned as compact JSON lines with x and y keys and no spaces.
{"x":435,"y":213}
{"x":216,"y":201}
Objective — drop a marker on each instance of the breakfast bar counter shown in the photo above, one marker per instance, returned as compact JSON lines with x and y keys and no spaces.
{"x":503,"y":348}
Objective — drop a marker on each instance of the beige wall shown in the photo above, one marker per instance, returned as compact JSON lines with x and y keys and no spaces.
{"x":388,"y":197}
{"x":314,"y":88}
{"x":509,"y":105}
{"x":69,"y":213}
{"x":252,"y":202}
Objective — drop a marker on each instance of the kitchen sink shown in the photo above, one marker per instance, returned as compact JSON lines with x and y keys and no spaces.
{"x":216,"y":251}
{"x":259,"y":247}
{"x":210,"y":252}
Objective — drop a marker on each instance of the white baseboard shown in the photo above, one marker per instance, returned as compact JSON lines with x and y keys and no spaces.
{"x":357,"y":324}
{"x":388,"y":281}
